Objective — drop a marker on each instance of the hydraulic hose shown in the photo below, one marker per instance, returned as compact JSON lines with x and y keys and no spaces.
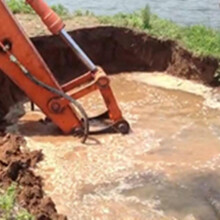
{"x":51,"y":89}
{"x":65,"y":96}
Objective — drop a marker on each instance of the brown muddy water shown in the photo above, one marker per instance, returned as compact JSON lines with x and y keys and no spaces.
{"x":167,"y":168}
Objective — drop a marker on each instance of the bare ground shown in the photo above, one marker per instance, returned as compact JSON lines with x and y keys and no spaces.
{"x":34,"y":26}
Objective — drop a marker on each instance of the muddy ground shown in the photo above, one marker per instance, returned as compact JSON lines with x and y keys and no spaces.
{"x":16,"y":165}
{"x":167,"y":168}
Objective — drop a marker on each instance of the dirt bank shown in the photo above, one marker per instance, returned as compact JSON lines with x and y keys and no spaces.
{"x":169,"y":164}
{"x":122,"y":49}
{"x":116,"y":50}
{"x":16,"y":164}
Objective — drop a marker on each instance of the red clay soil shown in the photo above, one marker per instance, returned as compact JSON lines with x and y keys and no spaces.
{"x":123,"y":50}
{"x":16,"y":165}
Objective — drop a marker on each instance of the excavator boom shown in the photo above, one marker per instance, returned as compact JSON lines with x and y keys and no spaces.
{"x":22,"y":63}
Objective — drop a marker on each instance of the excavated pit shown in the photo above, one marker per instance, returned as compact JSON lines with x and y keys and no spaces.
{"x":168,"y":167}
{"x":123,"y":50}
{"x":16,"y":165}
{"x":116,"y":50}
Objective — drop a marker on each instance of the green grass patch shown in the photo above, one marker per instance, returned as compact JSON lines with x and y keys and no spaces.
{"x":198,"y":39}
{"x":81,"y":13}
{"x":9,"y":209}
{"x":60,"y":10}
{"x":203,"y":40}
{"x":19,"y":6}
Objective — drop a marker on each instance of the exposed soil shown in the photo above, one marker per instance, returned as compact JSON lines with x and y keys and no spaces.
{"x":122,"y":49}
{"x":16,"y":165}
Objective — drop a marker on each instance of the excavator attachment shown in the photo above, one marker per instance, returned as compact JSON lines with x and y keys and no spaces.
{"x":22,"y":63}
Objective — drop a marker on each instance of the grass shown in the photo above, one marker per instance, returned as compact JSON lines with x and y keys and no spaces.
{"x":198,"y":39}
{"x":80,"y":13}
{"x":19,"y":6}
{"x":9,"y":209}
{"x":60,"y":10}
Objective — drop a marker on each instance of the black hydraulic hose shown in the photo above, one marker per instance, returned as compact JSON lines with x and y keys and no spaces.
{"x":57,"y":92}
{"x":69,"y":98}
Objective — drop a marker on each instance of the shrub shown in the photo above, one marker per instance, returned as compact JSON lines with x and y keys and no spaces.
{"x":9,"y":209}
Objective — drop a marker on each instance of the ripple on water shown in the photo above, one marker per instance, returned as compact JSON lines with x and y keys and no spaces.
{"x":167,"y":168}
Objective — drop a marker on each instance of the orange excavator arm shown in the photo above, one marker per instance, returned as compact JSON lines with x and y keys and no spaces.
{"x":22,"y":63}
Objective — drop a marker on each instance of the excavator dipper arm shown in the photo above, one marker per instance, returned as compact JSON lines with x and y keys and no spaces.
{"x":21,"y":62}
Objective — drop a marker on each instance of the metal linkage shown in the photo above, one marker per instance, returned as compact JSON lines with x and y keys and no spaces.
{"x":77,"y":50}
{"x":13,"y":59}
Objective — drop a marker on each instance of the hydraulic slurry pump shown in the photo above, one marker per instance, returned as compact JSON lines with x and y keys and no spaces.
{"x":22,"y":63}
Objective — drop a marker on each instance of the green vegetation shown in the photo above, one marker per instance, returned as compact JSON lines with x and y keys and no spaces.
{"x":80,"y":13}
{"x":60,"y":10}
{"x":145,"y":15}
{"x":198,"y":39}
{"x":8,"y":207}
{"x":19,"y":6}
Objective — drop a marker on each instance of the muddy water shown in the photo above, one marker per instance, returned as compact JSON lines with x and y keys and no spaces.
{"x":167,"y":168}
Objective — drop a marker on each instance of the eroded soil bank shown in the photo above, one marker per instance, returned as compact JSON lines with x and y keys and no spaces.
{"x":123,"y":50}
{"x":16,"y":165}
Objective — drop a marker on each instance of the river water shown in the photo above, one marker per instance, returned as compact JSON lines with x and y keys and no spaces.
{"x":167,"y":168}
{"x":186,"y":12}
